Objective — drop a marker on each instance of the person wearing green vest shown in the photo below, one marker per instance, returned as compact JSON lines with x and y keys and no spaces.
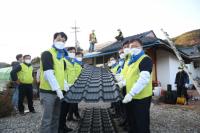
{"x":53,"y":84}
{"x":92,"y":40}
{"x":113,"y":65}
{"x":23,"y":76}
{"x":77,"y":69}
{"x":120,"y":77}
{"x":138,"y":88}
{"x":124,"y":54}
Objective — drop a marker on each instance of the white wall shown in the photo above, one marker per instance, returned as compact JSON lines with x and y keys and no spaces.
{"x":173,"y":69}
{"x":167,"y":67}
{"x":163,"y":68}
{"x":195,"y":71}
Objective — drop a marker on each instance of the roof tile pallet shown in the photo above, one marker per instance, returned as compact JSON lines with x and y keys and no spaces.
{"x":96,"y":120}
{"x":94,"y":84}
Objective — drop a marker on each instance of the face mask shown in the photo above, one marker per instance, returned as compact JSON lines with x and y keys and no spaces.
{"x":122,"y":56}
{"x":79,"y":58}
{"x":109,"y":64}
{"x":126,"y":51}
{"x":113,"y":62}
{"x":71,"y":55}
{"x":135,"y":51}
{"x":27,"y":61}
{"x":59,"y":45}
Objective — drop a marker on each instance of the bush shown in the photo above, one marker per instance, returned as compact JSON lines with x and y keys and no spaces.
{"x":5,"y":102}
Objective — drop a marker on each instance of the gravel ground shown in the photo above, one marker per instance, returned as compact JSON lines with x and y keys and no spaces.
{"x":164,"y":119}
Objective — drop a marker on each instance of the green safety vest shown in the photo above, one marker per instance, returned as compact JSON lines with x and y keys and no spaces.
{"x":58,"y":66}
{"x":78,"y":69}
{"x":114,"y":70}
{"x":133,"y":74}
{"x":25,"y":76}
{"x":70,"y":73}
{"x":125,"y":68}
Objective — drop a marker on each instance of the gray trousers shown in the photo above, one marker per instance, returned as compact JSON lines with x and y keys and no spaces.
{"x":51,"y":112}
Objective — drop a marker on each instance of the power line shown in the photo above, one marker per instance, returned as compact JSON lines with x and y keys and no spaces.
{"x":75,"y":28}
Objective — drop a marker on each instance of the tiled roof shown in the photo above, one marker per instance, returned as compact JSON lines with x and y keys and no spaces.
{"x":146,"y":39}
{"x":191,"y":52}
{"x":94,"y":84}
{"x":96,"y":120}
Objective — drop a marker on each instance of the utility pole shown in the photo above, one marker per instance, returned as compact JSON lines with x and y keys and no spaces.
{"x":75,"y":28}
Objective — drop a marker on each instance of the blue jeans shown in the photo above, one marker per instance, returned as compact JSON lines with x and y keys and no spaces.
{"x":91,"y":49}
{"x":15,"y":97}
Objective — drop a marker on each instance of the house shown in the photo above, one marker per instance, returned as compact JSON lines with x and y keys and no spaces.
{"x":165,"y":63}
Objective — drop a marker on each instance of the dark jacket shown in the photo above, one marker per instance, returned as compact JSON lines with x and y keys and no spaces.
{"x":182,"y":78}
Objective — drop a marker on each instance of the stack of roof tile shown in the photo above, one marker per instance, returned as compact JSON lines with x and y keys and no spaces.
{"x":94,"y":84}
{"x":96,"y":120}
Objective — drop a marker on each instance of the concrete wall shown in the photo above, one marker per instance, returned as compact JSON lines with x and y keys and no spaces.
{"x":167,"y":67}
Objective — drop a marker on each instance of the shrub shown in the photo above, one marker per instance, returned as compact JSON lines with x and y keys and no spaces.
{"x":5,"y":102}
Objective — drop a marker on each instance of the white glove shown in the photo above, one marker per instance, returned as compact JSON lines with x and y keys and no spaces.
{"x":118,"y":77}
{"x":127,"y":98}
{"x":186,"y":85}
{"x":121,"y":84}
{"x":69,"y":85}
{"x":59,"y":94}
{"x":66,"y":86}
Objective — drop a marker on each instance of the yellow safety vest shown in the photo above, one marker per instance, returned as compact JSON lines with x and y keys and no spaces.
{"x":58,"y":67}
{"x":114,"y":70}
{"x":125,"y":68}
{"x":25,"y":75}
{"x":78,"y":69}
{"x":133,"y":74}
{"x":70,"y":74}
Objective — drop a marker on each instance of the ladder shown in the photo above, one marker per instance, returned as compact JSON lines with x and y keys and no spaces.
{"x":182,"y":63}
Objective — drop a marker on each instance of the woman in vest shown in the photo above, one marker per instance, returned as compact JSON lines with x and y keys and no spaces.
{"x":138,"y":88}
{"x":77,"y":69}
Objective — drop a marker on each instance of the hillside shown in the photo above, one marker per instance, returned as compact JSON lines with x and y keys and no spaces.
{"x":188,"y":39}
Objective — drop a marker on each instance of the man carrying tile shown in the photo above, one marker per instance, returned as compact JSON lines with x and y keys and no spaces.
{"x":52,"y":84}
{"x":138,"y":82}
{"x":121,"y":74}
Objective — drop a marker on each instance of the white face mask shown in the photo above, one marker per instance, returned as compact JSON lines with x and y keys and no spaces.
{"x":126,"y":51}
{"x":122,"y":56}
{"x":135,"y":51}
{"x":59,"y":45}
{"x":109,"y":64}
{"x":79,"y":58}
{"x":71,"y":55}
{"x":113,"y":62}
{"x":27,"y":61}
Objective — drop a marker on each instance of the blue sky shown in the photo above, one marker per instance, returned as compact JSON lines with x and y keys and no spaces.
{"x":27,"y":27}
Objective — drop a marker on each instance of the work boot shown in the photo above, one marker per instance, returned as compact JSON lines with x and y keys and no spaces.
{"x":22,"y":113}
{"x":33,"y":111}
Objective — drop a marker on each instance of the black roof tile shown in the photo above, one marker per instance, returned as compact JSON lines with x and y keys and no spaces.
{"x":93,"y":85}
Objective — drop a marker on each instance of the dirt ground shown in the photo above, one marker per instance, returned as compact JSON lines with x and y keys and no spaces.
{"x":165,"y":118}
